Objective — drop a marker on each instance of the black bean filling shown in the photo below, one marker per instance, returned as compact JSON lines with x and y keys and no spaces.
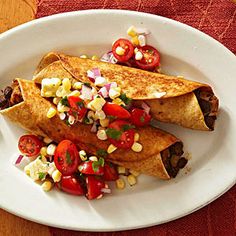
{"x":172,"y":159}
{"x":208,"y":103}
{"x":10,"y":96}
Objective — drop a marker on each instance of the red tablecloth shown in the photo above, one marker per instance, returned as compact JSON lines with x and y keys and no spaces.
{"x":217,"y":18}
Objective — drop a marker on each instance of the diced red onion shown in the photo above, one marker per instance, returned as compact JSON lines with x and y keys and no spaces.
{"x":109,"y":57}
{"x":106,"y":190}
{"x":110,"y":85}
{"x":86,"y":92}
{"x":94,"y":127}
{"x":19,"y":159}
{"x":143,"y":31}
{"x":91,"y":75}
{"x":22,"y":161}
{"x":96,"y":72}
{"x":103,"y":92}
{"x":145,"y":107}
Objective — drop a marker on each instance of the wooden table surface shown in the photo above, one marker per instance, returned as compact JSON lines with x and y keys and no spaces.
{"x":13,"y":13}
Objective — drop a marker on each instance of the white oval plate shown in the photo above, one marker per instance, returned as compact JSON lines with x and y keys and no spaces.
{"x":185,"y":51}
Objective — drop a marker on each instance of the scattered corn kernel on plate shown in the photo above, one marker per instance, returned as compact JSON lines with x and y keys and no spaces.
{"x":133,"y":200}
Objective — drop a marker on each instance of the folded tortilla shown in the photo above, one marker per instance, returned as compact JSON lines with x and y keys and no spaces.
{"x":171,"y":99}
{"x":31,"y":114}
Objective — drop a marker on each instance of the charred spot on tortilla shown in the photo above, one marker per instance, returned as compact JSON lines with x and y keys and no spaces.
{"x":172,"y":160}
{"x":209,"y":104}
{"x":11,"y":95}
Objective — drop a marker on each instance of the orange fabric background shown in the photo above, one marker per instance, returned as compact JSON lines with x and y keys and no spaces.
{"x":217,"y":18}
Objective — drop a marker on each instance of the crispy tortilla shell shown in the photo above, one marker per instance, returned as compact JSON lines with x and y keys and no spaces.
{"x":31,"y":115}
{"x":171,"y":99}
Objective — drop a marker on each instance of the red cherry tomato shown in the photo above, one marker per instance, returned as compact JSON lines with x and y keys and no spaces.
{"x":116,"y":110}
{"x":77,"y":107}
{"x":29,"y":145}
{"x":66,"y":157}
{"x":89,"y":168}
{"x":151,"y":58}
{"x":124,"y":138}
{"x":94,"y":186}
{"x":139,"y":117}
{"x":110,"y":172}
{"x":128,"y":49}
{"x":70,"y":184}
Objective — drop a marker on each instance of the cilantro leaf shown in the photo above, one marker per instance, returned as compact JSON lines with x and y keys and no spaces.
{"x":97,"y":164}
{"x":88,"y":85}
{"x":126,"y":127}
{"x":68,"y":158}
{"x":101,"y":153}
{"x":113,"y":133}
{"x":125,"y":99}
{"x":64,"y":101}
{"x":42,"y":175}
{"x":142,"y":119}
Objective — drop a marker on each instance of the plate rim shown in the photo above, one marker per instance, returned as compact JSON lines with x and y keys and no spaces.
{"x":113,"y":11}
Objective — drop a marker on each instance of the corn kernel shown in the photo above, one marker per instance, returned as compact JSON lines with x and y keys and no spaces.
{"x":51,"y":149}
{"x":43,"y":151}
{"x":71,"y":120}
{"x":93,"y":158}
{"x":101,"y":134}
{"x":95,"y":58}
{"x":51,"y":112}
{"x":132,"y":31}
{"x":91,"y":115}
{"x":121,"y":170}
{"x":137,"y":147}
{"x":136,"y":137}
{"x":142,"y":40}
{"x":104,"y":122}
{"x":77,"y":85}
{"x":131,"y":180}
{"x":47,"y":140}
{"x":138,"y":56}
{"x":100,"y":115}
{"x":120,"y":183}
{"x":120,"y":51}
{"x":46,"y":186}
{"x":111,"y":148}
{"x":135,"y":41}
{"x":61,"y":108}
{"x":96,"y":104}
{"x":118,"y":101}
{"x":66,"y":84}
{"x":100,"y":81}
{"x":56,"y":100}
{"x":84,"y":56}
{"x":82,"y":155}
{"x":75,"y":93}
{"x":134,"y":173}
{"x":56,"y":176}
{"x":61,"y":92}
{"x":27,"y":170}
{"x":114,"y":92}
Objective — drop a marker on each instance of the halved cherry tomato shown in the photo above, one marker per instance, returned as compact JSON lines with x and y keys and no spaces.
{"x":112,"y":109}
{"x":139,"y":117}
{"x":70,"y":184}
{"x":110,"y":172}
{"x":121,"y":134}
{"x":77,"y":107}
{"x":128,"y":49}
{"x":88,"y":168}
{"x":94,"y":186}
{"x":29,"y":145}
{"x":151,"y":58}
{"x":66,"y":157}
